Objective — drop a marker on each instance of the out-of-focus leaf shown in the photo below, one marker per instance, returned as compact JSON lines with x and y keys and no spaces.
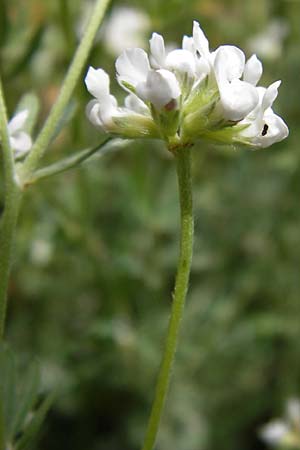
{"x":29,"y":101}
{"x":67,"y":116}
{"x":29,"y":51}
{"x":8,"y":385}
{"x":2,"y":425}
{"x":31,"y":432}
{"x":26,"y":399}
{"x":3,"y":22}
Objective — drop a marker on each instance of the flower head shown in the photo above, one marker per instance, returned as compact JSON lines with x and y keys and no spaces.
{"x":187,"y":94}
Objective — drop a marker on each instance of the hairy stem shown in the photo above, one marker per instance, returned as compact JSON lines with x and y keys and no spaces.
{"x":69,"y":84}
{"x":8,"y":219}
{"x":183,"y":159}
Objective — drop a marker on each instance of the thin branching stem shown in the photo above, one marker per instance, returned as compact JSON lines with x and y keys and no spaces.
{"x":69,"y":84}
{"x":8,"y":220}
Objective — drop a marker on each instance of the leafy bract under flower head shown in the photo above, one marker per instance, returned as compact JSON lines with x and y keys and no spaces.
{"x":187,"y":94}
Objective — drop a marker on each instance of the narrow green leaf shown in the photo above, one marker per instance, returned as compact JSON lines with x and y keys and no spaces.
{"x":31,"y":432}
{"x":3,"y":22}
{"x":66,"y":117}
{"x":29,"y":51}
{"x":2,"y":424}
{"x":26,"y":399}
{"x":8,"y":385}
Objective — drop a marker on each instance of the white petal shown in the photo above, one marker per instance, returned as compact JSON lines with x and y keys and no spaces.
{"x":203,"y":68}
{"x":188,"y":44}
{"x":18,"y":121}
{"x":93,"y":113}
{"x":133,"y":103}
{"x":270,"y":95}
{"x":238,"y":98}
{"x":158,"y":53}
{"x":276,"y":132}
{"x":229,"y":62}
{"x":181,"y":60}
{"x":108,"y":108}
{"x":200,"y":40}
{"x":253,"y":70}
{"x":97,"y":82}
{"x":160,"y":88}
{"x":101,"y":112}
{"x":20,"y":142}
{"x":133,"y":66}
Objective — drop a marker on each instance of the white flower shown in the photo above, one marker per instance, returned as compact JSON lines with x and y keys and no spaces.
{"x":20,"y":141}
{"x":133,"y":120}
{"x":264,"y":127}
{"x":253,"y":70}
{"x":132,"y":67}
{"x":125,"y":28}
{"x":284,"y":432}
{"x":274,"y":432}
{"x":160,"y":88}
{"x":269,"y":43}
{"x":186,"y":94}
{"x":104,"y":107}
{"x":237,"y":97}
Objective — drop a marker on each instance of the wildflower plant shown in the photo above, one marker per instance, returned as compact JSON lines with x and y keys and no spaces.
{"x":181,"y":97}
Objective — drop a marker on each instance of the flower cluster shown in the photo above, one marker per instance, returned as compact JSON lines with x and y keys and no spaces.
{"x":187,"y":94}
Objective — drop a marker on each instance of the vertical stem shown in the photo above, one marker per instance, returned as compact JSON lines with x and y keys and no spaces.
{"x":8,"y":220}
{"x":7,"y":235}
{"x":72,"y":76}
{"x":2,"y":429}
{"x":183,"y":160}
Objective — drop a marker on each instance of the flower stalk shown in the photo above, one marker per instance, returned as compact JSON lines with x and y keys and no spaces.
{"x":183,"y":164}
{"x":69,"y":84}
{"x":8,"y":220}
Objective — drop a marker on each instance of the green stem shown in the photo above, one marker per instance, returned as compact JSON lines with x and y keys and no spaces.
{"x":69,"y":84}
{"x":8,"y":221}
{"x":2,"y":426}
{"x":183,"y":159}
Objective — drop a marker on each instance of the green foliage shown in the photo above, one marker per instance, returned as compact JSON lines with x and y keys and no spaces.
{"x":97,"y":249}
{"x":20,"y":414}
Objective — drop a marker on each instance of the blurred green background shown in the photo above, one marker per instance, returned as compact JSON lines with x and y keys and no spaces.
{"x":97,"y":247}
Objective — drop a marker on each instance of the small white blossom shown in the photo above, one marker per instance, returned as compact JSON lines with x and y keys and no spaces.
{"x":284,"y":433}
{"x":160,"y":88}
{"x":274,"y":432}
{"x":269,"y":43}
{"x":20,"y":141}
{"x":126,"y":27}
{"x":182,"y":95}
